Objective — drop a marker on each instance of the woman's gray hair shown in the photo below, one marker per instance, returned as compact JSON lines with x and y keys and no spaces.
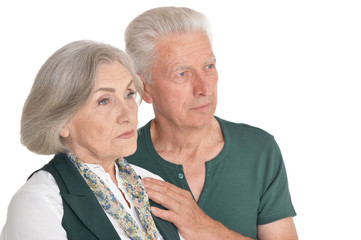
{"x":61,"y":88}
{"x":144,"y":31}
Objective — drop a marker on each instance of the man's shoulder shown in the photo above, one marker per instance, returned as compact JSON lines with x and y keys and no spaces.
{"x":144,"y":128}
{"x":243,"y":129}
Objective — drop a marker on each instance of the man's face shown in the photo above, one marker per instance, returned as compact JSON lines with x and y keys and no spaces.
{"x":184,"y":80}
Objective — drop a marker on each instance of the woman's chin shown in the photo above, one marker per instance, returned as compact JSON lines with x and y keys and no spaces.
{"x":127,"y":152}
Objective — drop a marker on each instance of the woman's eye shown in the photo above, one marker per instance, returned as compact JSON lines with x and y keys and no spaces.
{"x":130,"y":94}
{"x":104,"y":101}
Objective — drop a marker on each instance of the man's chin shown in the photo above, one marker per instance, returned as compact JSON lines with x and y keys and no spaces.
{"x":201,"y":121}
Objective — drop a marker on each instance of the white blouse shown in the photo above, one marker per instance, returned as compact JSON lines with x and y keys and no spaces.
{"x":36,"y":210}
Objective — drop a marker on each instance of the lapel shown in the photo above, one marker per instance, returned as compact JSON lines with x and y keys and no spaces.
{"x":82,"y":201}
{"x":166,"y":229}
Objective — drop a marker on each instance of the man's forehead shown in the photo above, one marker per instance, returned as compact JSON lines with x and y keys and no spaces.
{"x":178,"y":40}
{"x":185,"y":47}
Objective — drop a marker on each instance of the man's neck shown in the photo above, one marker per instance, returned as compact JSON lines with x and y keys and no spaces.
{"x":171,"y":140}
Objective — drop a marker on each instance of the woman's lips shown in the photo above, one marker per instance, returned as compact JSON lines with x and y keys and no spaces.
{"x":126,"y":135}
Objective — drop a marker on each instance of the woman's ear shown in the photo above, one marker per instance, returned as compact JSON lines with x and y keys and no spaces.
{"x":146,"y":87}
{"x":65,"y":132}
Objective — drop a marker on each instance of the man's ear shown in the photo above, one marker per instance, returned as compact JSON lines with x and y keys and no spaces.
{"x":146,"y":87}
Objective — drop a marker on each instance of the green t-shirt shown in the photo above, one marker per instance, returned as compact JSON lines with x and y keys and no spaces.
{"x":246,"y":184}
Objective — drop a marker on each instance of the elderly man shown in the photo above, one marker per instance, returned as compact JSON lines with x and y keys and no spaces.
{"x":223,"y":180}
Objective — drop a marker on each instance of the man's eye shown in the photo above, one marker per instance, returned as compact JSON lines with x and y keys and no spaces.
{"x":210,"y":66}
{"x":181,"y":74}
{"x":104,"y":101}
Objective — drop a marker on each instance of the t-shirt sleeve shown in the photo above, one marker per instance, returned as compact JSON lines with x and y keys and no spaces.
{"x":275,"y":199}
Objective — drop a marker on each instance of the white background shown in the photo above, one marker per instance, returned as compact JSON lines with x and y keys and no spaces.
{"x":292,"y":68}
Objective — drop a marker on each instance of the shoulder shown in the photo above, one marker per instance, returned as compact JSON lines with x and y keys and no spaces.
{"x":145,"y":129}
{"x":244,"y":128}
{"x":143,"y":173}
{"x":39,"y":188}
{"x":41,"y":183}
{"x":242,"y":133}
{"x":35,"y":210}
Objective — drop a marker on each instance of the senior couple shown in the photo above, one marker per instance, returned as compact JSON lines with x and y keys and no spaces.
{"x":185,"y":175}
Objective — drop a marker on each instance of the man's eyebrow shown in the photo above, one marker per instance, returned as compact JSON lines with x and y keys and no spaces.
{"x":212,"y":59}
{"x":182,"y":68}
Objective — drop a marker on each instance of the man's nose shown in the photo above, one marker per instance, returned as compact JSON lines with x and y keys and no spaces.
{"x":201,"y":85}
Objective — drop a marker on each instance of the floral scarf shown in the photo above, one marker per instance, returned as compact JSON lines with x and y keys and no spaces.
{"x":134,"y":186}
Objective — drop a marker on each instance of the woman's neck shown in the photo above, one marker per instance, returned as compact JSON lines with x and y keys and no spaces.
{"x":108,"y":164}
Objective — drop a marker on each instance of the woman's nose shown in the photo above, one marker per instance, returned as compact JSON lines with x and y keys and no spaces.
{"x":127,"y":111}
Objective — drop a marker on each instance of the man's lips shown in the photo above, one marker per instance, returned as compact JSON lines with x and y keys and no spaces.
{"x":202,"y":108}
{"x":126,"y":135}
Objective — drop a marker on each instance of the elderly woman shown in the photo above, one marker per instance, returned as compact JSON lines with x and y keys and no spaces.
{"x":82,"y":108}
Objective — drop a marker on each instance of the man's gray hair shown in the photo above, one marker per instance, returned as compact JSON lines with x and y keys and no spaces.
{"x":144,"y":31}
{"x":61,"y":88}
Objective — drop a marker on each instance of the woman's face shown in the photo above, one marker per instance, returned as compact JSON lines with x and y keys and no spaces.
{"x":106,"y":128}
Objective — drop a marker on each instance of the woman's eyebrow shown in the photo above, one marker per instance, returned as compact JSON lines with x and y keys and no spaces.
{"x":130,"y":83}
{"x":112,"y":89}
{"x":105,"y":89}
